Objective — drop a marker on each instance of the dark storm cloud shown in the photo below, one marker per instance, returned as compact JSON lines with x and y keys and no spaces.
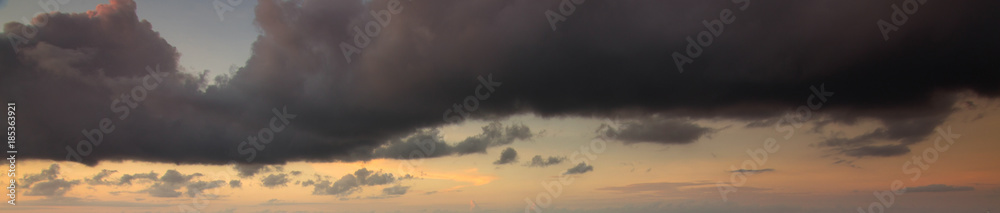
{"x":655,"y":130}
{"x":579,"y":169}
{"x":610,"y":59}
{"x":538,"y":161}
{"x":507,"y":156}
{"x":939,"y":188}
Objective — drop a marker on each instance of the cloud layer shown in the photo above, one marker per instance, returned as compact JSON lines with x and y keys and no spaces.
{"x":609,"y":60}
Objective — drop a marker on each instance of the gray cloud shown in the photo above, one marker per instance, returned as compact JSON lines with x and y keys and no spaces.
{"x":655,"y":130}
{"x":127,"y":179}
{"x":235,"y":184}
{"x":55,"y":187}
{"x":198,"y":187}
{"x":351,"y":183}
{"x":508,"y":156}
{"x":98,"y":179}
{"x":273,"y":180}
{"x":249,"y":170}
{"x":395,"y":190}
{"x":752,"y":171}
{"x":939,"y":188}
{"x":579,"y":169}
{"x":538,"y":161}
{"x":428,"y":143}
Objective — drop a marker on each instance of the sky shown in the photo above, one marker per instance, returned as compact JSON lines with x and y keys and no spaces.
{"x":502,"y":106}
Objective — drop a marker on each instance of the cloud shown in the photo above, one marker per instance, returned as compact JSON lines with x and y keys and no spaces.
{"x":273,"y":180}
{"x":428,"y":143}
{"x":655,"y":130}
{"x":939,"y":188}
{"x":46,"y":174}
{"x":395,"y":190}
{"x":350,"y":183}
{"x":508,"y":156}
{"x":235,"y":184}
{"x":127,"y":179}
{"x":752,"y":171}
{"x":538,"y":161}
{"x":198,"y":187}
{"x":579,"y":169}
{"x":249,"y":170}
{"x":98,"y":179}
{"x":56,"y":187}
{"x":172,"y":180}
{"x":78,"y":63}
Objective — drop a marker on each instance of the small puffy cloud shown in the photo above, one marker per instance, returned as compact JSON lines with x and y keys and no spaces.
{"x":55,"y":187}
{"x":939,"y":188}
{"x":198,"y":187}
{"x":538,"y":161}
{"x":275,"y":180}
{"x":508,"y":156}
{"x":235,"y":184}
{"x":579,"y":169}
{"x":295,"y":173}
{"x":395,"y":190}
{"x":47,"y":174}
{"x":98,"y":179}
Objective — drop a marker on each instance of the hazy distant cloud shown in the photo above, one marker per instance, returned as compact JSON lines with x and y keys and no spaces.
{"x":655,"y":130}
{"x":273,"y":180}
{"x":752,"y":171}
{"x":235,"y":184}
{"x":939,"y":188}
{"x":198,"y":187}
{"x":508,"y":156}
{"x":538,"y":161}
{"x":395,"y":190}
{"x":579,"y":169}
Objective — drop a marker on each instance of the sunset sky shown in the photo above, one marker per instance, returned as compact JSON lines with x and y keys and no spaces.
{"x":565,"y":106}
